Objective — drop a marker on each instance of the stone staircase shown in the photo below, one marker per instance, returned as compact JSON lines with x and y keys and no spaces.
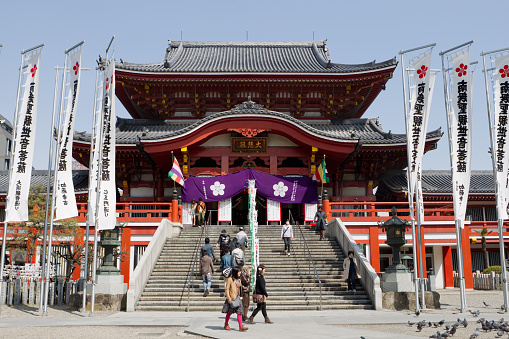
{"x":291,"y":281}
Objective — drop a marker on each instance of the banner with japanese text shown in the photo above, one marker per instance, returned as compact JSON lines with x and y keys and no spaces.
{"x":273,"y":210}
{"x":65,"y":199}
{"x":224,"y":210}
{"x":106,"y":215}
{"x":460,"y":129}
{"x":21,"y":167}
{"x":417,"y":119}
{"x":500,"y":132}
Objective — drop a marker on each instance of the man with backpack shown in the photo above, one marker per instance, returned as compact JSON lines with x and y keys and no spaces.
{"x":223,"y":242}
{"x":242,"y":239}
{"x":238,"y":257}
{"x":200,"y":212}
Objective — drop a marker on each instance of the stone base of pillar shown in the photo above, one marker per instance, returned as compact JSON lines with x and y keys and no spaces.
{"x":397,"y":282}
{"x":109,"y":284}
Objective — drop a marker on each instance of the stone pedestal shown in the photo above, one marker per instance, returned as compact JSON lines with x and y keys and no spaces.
{"x":397,"y":282}
{"x":406,"y":300}
{"x":109,"y":284}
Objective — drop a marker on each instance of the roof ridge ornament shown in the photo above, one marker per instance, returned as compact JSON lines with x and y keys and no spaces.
{"x":248,"y":105}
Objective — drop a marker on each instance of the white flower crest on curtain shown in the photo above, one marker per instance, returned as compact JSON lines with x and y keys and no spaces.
{"x":217,"y":188}
{"x":280,"y":189}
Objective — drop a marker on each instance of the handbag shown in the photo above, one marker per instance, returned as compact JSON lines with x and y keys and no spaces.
{"x":238,"y":301}
{"x":257,"y":298}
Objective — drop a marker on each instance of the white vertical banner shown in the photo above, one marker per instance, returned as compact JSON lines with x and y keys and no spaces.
{"x":65,"y":198}
{"x":460,"y":137}
{"x":106,"y":214}
{"x":500,"y":133}
{"x":273,"y":210}
{"x":21,"y":167}
{"x":310,"y":211}
{"x":417,"y":120}
{"x":186,"y":214}
{"x":224,"y":210}
{"x":94,"y":159}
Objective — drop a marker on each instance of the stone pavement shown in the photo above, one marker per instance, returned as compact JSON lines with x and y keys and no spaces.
{"x":295,"y":324}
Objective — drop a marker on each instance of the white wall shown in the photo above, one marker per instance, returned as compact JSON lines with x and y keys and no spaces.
{"x":438,"y":263}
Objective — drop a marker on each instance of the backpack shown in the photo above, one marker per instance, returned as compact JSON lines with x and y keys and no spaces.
{"x":225,"y":239}
{"x":227,"y":272}
{"x":239,"y":261}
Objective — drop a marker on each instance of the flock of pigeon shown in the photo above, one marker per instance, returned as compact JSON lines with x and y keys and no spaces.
{"x":500,"y":326}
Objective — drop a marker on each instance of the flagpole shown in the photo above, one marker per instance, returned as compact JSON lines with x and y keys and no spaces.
{"x":410,"y":189}
{"x":457,"y":222}
{"x":48,"y":185}
{"x":16,"y":113}
{"x":90,"y":192}
{"x":55,"y":182}
{"x":500,"y":221}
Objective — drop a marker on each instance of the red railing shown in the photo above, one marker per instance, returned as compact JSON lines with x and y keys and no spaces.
{"x":134,"y":211}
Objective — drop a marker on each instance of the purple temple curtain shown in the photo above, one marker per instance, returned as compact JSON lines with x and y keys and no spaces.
{"x":282,"y":189}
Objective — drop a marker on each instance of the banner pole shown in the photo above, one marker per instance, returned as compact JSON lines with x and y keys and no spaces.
{"x":48,"y":185}
{"x":457,"y":221}
{"x":55,"y":182}
{"x":500,"y":221}
{"x":420,"y":246}
{"x":410,"y":189}
{"x":16,"y":112}
{"x":90,"y":192}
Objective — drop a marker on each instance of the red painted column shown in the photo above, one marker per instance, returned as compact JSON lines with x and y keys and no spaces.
{"x":225,"y":164}
{"x":326,"y":208}
{"x":467,"y":257}
{"x":423,"y":254}
{"x":125,"y":246}
{"x":448,"y":277}
{"x":78,"y":241}
{"x":174,"y":210}
{"x":273,"y":164}
{"x":374,"y":247}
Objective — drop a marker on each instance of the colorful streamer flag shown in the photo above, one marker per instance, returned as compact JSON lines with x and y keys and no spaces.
{"x":321,"y":175}
{"x":21,"y":167}
{"x":175,"y":173}
{"x":64,"y":196}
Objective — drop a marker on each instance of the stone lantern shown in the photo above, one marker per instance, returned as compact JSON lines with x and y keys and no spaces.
{"x":109,"y":241}
{"x":395,"y":229}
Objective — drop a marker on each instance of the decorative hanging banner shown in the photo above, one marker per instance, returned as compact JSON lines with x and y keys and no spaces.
{"x":281,"y":189}
{"x":65,"y":198}
{"x":186,"y":214}
{"x":310,"y":211}
{"x":106,"y":215}
{"x":460,"y":137}
{"x":500,"y":133}
{"x":224,"y":210}
{"x":21,"y":167}
{"x":417,"y":120}
{"x":273,"y":210}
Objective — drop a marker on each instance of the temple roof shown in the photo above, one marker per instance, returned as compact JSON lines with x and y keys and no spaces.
{"x":250,"y":57}
{"x":441,"y":182}
{"x":79,"y":178}
{"x":367,"y":131}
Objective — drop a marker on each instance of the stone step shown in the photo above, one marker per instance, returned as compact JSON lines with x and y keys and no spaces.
{"x":260,"y":320}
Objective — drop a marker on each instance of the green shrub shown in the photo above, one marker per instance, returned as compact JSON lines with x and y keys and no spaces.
{"x":496,"y":269}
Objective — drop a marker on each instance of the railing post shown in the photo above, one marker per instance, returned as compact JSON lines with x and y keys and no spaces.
{"x":174,"y":207}
{"x":326,"y":205}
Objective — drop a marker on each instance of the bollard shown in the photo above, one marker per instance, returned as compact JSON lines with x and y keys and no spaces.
{"x":10,"y":292}
{"x":17,"y":291}
{"x":31,"y":292}
{"x":52,"y":293}
{"x":60,"y":291}
{"x":38,"y":292}
{"x":24,"y":291}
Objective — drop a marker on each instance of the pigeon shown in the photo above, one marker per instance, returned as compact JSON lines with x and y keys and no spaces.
{"x":436,"y":335}
{"x":465,"y":322}
{"x":475,"y":334}
{"x":441,"y":322}
{"x":502,"y":307}
{"x":419,"y":327}
{"x":453,"y":330}
{"x":445,"y":335}
{"x":417,"y":313}
{"x":485,"y":304}
{"x":430,"y":324}
{"x":500,"y":333}
{"x":410,"y":323}
{"x":447,"y":327}
{"x":435,"y":324}
{"x":363,"y":337}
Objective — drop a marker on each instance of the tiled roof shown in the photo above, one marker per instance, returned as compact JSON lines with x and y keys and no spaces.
{"x":441,"y":182}
{"x":250,"y":57}
{"x":79,"y":178}
{"x":369,"y":131}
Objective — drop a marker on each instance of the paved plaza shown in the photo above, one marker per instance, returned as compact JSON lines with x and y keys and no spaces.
{"x":25,"y":322}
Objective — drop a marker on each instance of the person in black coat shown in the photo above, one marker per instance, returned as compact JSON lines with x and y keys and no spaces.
{"x":260,"y":289}
{"x":320,"y":218}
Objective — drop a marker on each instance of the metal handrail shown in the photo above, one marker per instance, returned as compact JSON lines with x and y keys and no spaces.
{"x":196,"y":248}
{"x":311,"y":262}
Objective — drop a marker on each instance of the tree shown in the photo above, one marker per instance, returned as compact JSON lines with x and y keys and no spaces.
{"x":26,"y":234}
{"x":483,"y":235}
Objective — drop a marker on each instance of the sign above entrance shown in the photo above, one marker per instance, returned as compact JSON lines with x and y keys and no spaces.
{"x":294,"y":190}
{"x":249,"y":145}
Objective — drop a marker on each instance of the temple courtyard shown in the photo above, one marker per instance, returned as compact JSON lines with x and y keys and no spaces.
{"x":25,"y":322}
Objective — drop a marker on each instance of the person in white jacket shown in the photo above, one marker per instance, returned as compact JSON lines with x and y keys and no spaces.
{"x":287,"y":235}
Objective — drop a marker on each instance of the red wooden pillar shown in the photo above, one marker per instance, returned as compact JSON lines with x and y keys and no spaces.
{"x":448,"y":276}
{"x":273,"y":164}
{"x":78,"y":241}
{"x":225,"y":164}
{"x":374,"y":248}
{"x":326,"y":208}
{"x":174,"y":207}
{"x":423,"y":254}
{"x":125,"y":246}
{"x":467,"y":257}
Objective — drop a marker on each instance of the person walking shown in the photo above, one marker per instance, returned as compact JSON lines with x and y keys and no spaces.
{"x":320,"y":217}
{"x":242,"y":239}
{"x":192,"y":212}
{"x":350,"y":266}
{"x":233,"y":302}
{"x":245,"y":280}
{"x":210,"y":250}
{"x":287,"y":236}
{"x":200,"y":212}
{"x":238,"y":258}
{"x":261,"y":292}
{"x":223,"y":242}
{"x":206,"y":270}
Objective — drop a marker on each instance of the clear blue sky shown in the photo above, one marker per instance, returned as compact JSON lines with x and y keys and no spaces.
{"x":357,"y":32}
